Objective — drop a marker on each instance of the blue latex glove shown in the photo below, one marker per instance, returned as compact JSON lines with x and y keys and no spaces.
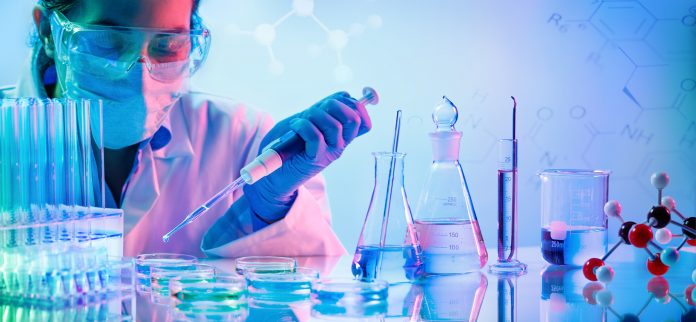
{"x":327,"y":127}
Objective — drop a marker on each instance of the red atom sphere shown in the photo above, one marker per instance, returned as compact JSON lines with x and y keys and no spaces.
{"x":640,"y":235}
{"x":659,"y":286}
{"x":691,"y":242}
{"x":656,"y":267}
{"x":589,"y":267}
{"x":689,"y":291}
{"x":588,"y":292}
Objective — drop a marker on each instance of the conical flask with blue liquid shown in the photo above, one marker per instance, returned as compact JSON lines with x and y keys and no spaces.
{"x":388,"y":248}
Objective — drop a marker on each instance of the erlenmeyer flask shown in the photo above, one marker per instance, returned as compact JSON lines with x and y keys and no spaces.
{"x":388,"y":247}
{"x":445,"y":220}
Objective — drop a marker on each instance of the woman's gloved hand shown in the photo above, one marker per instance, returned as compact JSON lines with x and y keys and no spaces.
{"x":327,"y":127}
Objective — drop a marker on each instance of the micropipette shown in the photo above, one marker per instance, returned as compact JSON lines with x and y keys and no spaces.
{"x":507,"y":204}
{"x":270,"y":160}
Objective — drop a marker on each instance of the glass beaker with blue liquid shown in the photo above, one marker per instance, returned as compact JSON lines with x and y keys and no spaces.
{"x":573,"y":223}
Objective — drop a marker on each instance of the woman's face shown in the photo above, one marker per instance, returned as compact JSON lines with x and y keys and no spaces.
{"x":135,"y":102}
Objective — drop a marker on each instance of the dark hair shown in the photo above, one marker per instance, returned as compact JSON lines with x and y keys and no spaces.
{"x":65,"y":5}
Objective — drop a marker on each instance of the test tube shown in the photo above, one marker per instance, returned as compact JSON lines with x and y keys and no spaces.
{"x":96,"y":123}
{"x":5,"y":177}
{"x":70,"y":149}
{"x":36,"y":127}
{"x":507,"y":205}
{"x":5,"y":168}
{"x":56,"y":159}
{"x":20,"y":160}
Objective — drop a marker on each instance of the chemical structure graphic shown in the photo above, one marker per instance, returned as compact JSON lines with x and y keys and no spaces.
{"x":647,"y":42}
{"x":640,"y":235}
{"x":336,"y":39}
{"x":644,"y":52}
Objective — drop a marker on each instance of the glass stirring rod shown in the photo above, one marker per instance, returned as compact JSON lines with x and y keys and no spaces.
{"x":270,"y":159}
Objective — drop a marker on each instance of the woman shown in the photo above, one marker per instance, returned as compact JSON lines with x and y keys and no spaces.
{"x":167,"y":149}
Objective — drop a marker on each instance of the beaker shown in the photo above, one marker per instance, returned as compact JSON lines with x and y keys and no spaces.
{"x":446,"y":220}
{"x":388,"y":248}
{"x":573,"y":223}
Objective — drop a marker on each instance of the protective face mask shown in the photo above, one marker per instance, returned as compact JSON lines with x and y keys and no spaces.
{"x":134,"y":106}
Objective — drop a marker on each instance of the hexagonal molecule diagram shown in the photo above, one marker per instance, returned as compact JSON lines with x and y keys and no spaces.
{"x":336,"y":39}
{"x":622,"y":20}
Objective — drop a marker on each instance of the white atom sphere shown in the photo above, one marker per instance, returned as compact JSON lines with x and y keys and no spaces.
{"x":659,"y":180}
{"x":338,"y":39}
{"x":343,"y":74}
{"x":374,"y":21}
{"x":604,"y":297}
{"x":303,"y":7}
{"x":558,"y":230}
{"x":669,"y":202}
{"x":612,"y":208}
{"x":605,"y":274}
{"x":265,"y":34}
{"x":276,"y":68}
{"x":663,"y":236}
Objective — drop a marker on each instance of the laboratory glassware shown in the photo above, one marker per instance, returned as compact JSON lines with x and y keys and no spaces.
{"x":388,"y":248}
{"x":507,"y":204}
{"x":284,"y":287}
{"x":446,"y":220}
{"x":573,"y":222}
{"x":270,"y":160}
{"x":268,"y":264}
{"x":145,"y":262}
{"x":55,"y":235}
{"x":161,"y":275}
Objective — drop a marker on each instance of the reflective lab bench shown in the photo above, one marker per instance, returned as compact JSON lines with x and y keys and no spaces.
{"x":545,"y":293}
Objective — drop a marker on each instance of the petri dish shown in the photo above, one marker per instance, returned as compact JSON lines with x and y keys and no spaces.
{"x":225,"y":289}
{"x":185,"y":311}
{"x":348,"y":291}
{"x":268,"y":264}
{"x":368,"y":311}
{"x":199,"y":298}
{"x":346,"y":299}
{"x":281,"y":287}
{"x":144,"y":262}
{"x":160,"y":276}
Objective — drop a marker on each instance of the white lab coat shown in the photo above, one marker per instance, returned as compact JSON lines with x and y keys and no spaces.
{"x":212,"y":138}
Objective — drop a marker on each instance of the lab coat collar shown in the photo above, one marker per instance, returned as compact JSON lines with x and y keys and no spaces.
{"x":179,"y":144}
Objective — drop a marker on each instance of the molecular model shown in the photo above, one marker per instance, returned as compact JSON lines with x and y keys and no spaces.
{"x":658,"y":287}
{"x":641,"y":235}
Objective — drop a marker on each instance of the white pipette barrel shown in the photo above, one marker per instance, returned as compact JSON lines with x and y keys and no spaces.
{"x":270,"y":160}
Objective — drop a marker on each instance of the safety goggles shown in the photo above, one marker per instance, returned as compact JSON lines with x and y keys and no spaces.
{"x":112,"y":52}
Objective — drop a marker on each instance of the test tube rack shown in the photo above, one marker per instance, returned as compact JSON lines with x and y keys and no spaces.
{"x":58,"y":242}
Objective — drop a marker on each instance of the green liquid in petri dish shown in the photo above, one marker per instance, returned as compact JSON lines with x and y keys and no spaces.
{"x":214,"y":294}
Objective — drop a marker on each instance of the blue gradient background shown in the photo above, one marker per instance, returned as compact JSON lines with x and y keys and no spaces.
{"x":610,"y":85}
